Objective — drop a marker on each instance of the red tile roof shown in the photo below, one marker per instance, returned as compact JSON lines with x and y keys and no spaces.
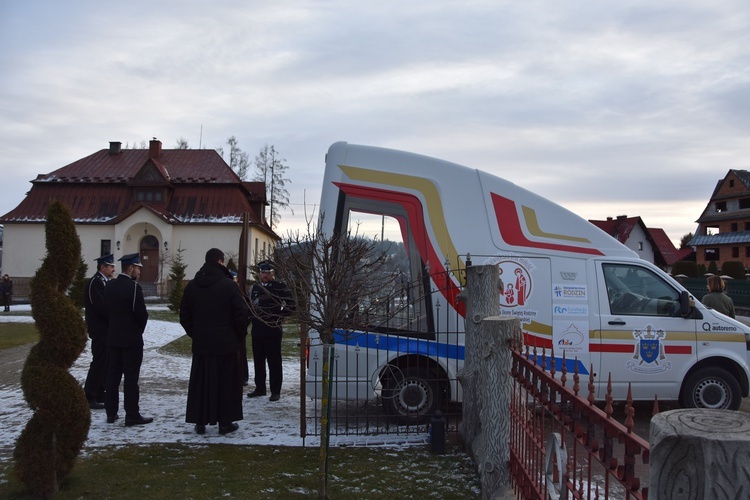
{"x":619,"y":228}
{"x":197,"y":186}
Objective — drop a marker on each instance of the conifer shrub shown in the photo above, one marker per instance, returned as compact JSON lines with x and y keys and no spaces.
{"x":733,"y":268}
{"x":713,"y":268}
{"x":689,"y":269}
{"x":47,"y":448}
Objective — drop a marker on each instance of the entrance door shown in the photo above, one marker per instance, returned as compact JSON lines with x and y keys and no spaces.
{"x":149,"y":259}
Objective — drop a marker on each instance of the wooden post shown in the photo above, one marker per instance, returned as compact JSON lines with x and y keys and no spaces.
{"x":482,"y":299}
{"x":494,"y":390}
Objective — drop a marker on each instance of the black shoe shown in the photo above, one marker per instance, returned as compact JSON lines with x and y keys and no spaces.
{"x":93,"y":405}
{"x":111,"y":418}
{"x":256,"y":393}
{"x":274,"y":397}
{"x":226,"y":429}
{"x":139,"y":420}
{"x":200,"y":429}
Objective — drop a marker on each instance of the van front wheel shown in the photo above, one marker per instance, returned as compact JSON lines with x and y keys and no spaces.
{"x":410,"y":396}
{"x":713,"y":388}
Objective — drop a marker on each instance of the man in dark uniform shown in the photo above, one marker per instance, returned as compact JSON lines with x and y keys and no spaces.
{"x":127,"y":321}
{"x":271,"y":302}
{"x":215,"y":316}
{"x":98,"y":324}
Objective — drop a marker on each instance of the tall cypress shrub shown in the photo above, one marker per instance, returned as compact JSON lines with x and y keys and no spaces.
{"x":46,"y":450}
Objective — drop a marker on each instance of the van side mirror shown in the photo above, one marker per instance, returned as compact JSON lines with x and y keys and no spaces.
{"x":684,"y":310}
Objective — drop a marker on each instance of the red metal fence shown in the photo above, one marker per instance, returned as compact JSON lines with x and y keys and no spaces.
{"x":563,"y":445}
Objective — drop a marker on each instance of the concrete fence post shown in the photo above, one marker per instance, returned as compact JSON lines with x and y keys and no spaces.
{"x":698,"y":453}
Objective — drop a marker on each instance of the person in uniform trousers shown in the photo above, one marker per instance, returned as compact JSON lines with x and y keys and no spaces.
{"x":271,"y":302}
{"x":127,"y":320}
{"x":215,"y":316}
{"x":97,"y":324}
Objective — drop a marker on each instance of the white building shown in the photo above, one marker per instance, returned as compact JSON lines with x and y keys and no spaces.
{"x":151,"y":201}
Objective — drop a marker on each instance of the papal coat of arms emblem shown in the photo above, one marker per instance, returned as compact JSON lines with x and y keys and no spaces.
{"x":648,"y":354}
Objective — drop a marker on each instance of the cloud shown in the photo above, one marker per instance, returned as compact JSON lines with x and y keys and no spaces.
{"x":620,"y":105}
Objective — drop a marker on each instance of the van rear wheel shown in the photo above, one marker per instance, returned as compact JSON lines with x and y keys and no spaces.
{"x":410,"y":395}
{"x":713,"y":388}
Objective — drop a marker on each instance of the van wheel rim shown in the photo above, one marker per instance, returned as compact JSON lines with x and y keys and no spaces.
{"x":711,"y":394}
{"x":413,"y":396}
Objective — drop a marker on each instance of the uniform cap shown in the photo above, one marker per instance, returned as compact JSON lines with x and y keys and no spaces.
{"x":265,"y":266}
{"x":106,"y":259}
{"x":131,"y":259}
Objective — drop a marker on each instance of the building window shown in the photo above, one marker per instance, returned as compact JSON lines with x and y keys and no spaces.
{"x":711,"y":254}
{"x":105,"y":247}
{"x":744,"y":203}
{"x":640,"y":245}
{"x":734,"y":227}
{"x":731,"y":183}
{"x":735,"y":252}
{"x":721,"y":206}
{"x":747,"y":252}
{"x":255,"y":258}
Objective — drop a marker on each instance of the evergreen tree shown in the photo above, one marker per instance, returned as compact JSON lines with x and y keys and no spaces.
{"x":177,"y":276}
{"x":713,"y":268}
{"x":271,"y":169}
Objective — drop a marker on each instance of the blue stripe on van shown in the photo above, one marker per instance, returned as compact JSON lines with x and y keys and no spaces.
{"x":399,"y":344}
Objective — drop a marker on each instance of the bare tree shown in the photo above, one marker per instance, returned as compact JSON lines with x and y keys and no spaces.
{"x":270,"y":169}
{"x":335,"y":279}
{"x":182,"y":143}
{"x":239,"y":161}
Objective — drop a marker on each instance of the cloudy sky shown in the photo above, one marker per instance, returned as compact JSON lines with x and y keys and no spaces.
{"x":607,"y":108}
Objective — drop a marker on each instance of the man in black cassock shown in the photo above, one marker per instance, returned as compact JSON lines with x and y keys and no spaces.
{"x":215,"y":316}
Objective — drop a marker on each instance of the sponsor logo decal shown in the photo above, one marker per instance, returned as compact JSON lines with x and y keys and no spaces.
{"x":648,"y":353}
{"x":577,"y":292}
{"x":718,"y":327}
{"x":570,"y":310}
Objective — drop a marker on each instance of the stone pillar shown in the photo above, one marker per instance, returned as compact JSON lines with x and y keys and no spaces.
{"x":699,"y":453}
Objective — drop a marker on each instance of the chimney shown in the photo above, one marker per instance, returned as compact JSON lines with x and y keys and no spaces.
{"x":154,"y":148}
{"x":622,"y":217}
{"x":115,"y":148}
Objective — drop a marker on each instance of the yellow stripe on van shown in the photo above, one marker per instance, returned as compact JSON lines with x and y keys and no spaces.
{"x":529,"y":214}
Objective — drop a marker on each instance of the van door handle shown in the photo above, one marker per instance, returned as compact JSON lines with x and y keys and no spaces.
{"x":617,"y":322}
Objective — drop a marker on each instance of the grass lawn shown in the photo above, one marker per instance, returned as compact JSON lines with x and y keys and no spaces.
{"x":182,"y":471}
{"x":15,"y":334}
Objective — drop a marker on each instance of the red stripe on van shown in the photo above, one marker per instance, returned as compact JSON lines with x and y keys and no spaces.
{"x":510,"y":229}
{"x":625,"y":348}
{"x":414,"y":213}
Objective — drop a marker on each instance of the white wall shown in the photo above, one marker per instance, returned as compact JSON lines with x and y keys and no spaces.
{"x":24,"y":246}
{"x":638,"y":236}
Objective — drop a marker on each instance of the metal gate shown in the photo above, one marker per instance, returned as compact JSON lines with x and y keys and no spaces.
{"x":405,"y":367}
{"x":564,"y":445}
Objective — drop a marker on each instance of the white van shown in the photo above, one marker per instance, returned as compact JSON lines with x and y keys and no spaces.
{"x":573,"y":287}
